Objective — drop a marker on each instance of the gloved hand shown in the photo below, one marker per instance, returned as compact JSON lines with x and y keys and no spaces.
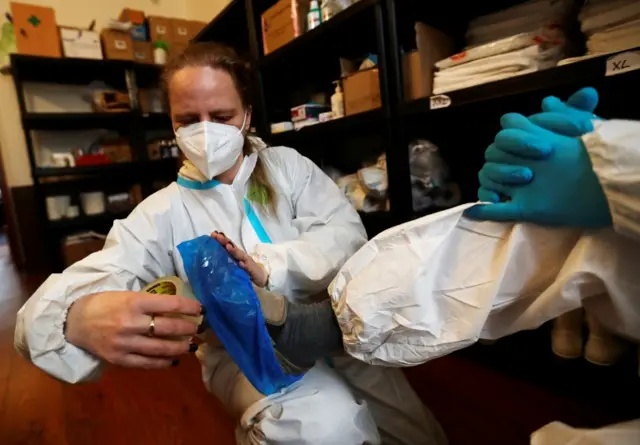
{"x":564,"y":189}
{"x":573,"y":118}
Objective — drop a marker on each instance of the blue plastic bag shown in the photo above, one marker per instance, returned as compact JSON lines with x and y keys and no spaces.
{"x":233,"y":312}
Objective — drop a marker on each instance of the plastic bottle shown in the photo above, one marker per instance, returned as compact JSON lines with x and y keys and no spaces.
{"x":314,"y":17}
{"x":329,"y":9}
{"x":337,"y":102}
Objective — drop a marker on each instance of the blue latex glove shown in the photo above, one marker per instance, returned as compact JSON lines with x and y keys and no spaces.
{"x":564,"y":189}
{"x":573,"y":118}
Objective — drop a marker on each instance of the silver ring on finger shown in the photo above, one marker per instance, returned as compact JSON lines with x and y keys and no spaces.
{"x":151,"y":331}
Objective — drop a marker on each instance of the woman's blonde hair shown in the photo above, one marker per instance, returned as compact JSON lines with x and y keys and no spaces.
{"x":222,"y":57}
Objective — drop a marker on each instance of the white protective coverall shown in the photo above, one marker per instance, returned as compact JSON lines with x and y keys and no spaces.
{"x":437,"y":284}
{"x":314,"y":233}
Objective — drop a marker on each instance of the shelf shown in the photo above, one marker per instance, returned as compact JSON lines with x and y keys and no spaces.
{"x":68,"y":70}
{"x":582,"y":73}
{"x":377,"y":222}
{"x":319,"y":35}
{"x":73,"y":71}
{"x":156,"y":120}
{"x":138,"y":168}
{"x":75,"y":121}
{"x":87,"y":222}
{"x":328,"y":129}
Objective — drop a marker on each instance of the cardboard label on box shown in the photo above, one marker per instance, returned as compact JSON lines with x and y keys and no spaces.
{"x":80,"y":43}
{"x":142,"y":52}
{"x":160,"y":28}
{"x":36,"y":30}
{"x":361,"y":92}
{"x":117,"y":45}
{"x":180,"y":31}
{"x":139,"y":33}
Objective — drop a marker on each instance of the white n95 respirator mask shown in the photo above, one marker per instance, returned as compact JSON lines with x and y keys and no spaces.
{"x":212,"y":148}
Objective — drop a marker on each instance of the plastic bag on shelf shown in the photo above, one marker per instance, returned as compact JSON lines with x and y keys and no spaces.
{"x":430,"y":184}
{"x":332,"y":173}
{"x":374,"y":179}
{"x":234,"y":313}
{"x":549,"y":37}
{"x":357,"y":195}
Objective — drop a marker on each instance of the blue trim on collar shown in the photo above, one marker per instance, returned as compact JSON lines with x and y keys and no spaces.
{"x":263,"y":236}
{"x":197,"y":185}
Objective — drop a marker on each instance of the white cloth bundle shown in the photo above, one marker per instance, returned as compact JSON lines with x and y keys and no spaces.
{"x":600,"y":16}
{"x":495,"y":68}
{"x":435,"y":285}
{"x":501,"y":46}
{"x":617,"y":38}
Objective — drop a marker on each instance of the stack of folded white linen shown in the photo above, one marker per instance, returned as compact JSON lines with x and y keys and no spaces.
{"x":518,"y":40}
{"x":610,"y":25}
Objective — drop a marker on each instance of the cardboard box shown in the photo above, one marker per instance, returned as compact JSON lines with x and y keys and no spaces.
{"x":180,"y":31}
{"x":80,"y":43}
{"x":117,"y":45}
{"x":195,"y":27}
{"x":142,"y":52}
{"x":433,"y":45}
{"x":134,"y":16}
{"x":35,"y":30}
{"x":117,"y":151}
{"x":282,"y":23}
{"x":152,"y":101}
{"x":160,"y":28}
{"x":415,"y":86}
{"x":361,"y":91}
{"x":176,"y":49}
{"x":74,"y":252}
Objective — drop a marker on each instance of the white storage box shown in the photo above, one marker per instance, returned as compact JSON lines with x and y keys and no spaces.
{"x":80,"y":43}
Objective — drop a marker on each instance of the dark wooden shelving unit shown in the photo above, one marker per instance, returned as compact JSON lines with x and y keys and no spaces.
{"x":121,"y":75}
{"x":74,"y":121}
{"x":462,"y":130}
{"x":87,"y":221}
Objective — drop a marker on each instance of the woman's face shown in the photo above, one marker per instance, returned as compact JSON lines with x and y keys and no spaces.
{"x":198,"y":94}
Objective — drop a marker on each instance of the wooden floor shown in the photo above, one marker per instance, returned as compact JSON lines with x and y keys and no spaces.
{"x":476,"y":403}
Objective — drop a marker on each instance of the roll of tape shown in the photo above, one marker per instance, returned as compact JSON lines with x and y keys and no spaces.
{"x":173,"y":286}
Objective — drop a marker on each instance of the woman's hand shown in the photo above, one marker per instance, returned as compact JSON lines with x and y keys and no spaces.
{"x":115,"y":326}
{"x":256,"y":271}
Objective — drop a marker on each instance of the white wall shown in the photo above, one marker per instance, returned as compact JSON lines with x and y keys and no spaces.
{"x":72,"y":13}
{"x":204,"y":10}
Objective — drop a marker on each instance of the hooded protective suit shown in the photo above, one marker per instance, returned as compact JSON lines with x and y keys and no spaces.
{"x":313,"y":232}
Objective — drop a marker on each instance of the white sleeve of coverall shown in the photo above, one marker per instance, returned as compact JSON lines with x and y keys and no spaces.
{"x":331,"y":230}
{"x":614,"y":148}
{"x":434,"y":285}
{"x":135,"y":253}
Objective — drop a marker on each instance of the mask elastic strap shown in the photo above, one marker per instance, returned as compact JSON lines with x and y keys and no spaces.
{"x":244,"y":121}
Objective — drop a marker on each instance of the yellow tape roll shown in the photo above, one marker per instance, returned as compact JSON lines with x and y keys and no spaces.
{"x":173,"y":286}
